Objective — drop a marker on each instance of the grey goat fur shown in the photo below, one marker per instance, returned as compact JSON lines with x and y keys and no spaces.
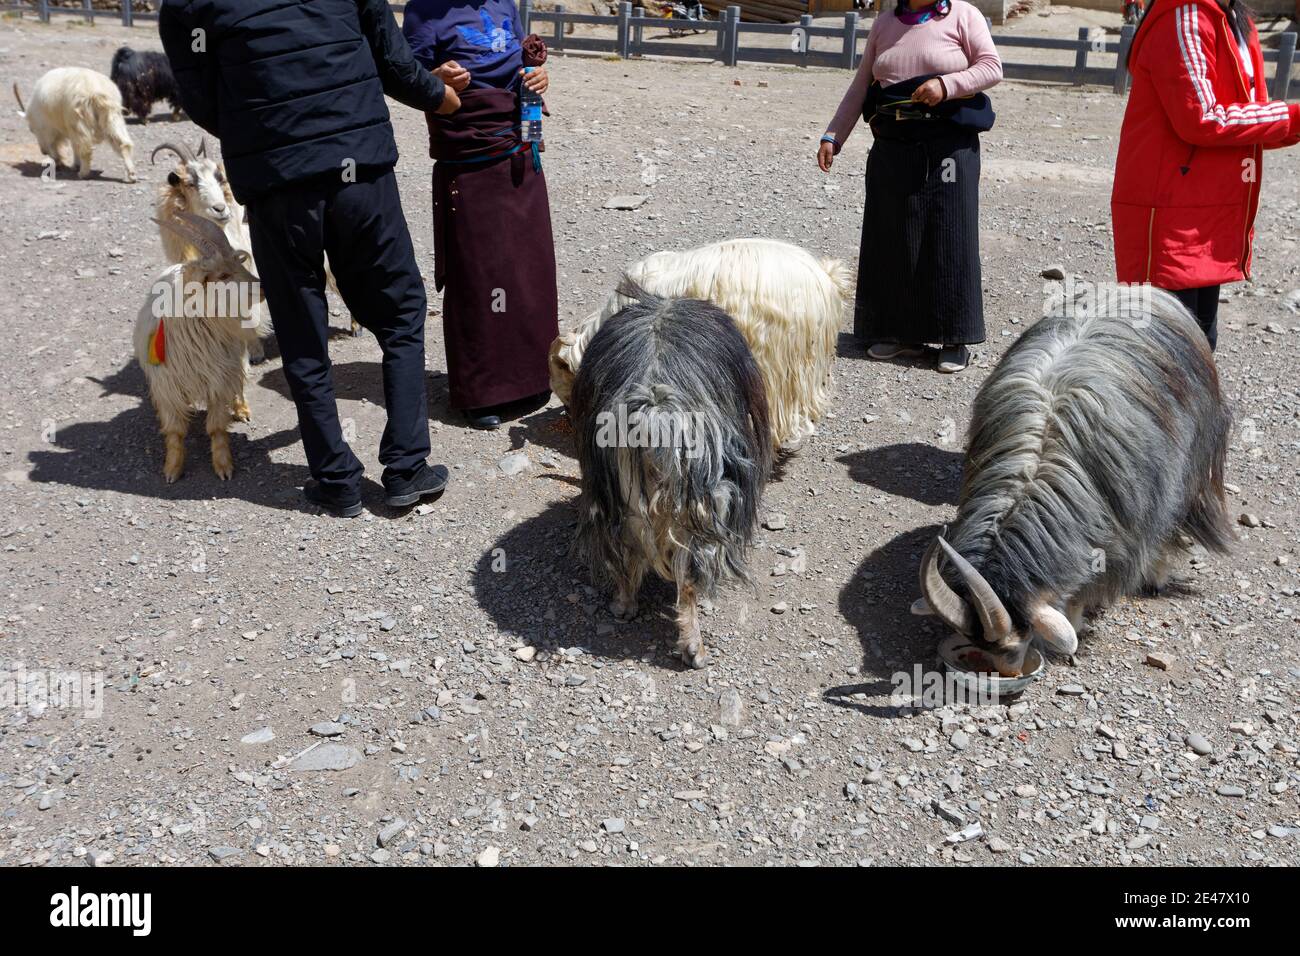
{"x":1098,"y":441}
{"x":685,"y":509}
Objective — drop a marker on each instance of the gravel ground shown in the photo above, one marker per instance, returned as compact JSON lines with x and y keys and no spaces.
{"x":454,"y":663}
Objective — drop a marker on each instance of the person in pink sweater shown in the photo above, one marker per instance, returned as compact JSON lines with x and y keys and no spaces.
{"x":920,"y":87}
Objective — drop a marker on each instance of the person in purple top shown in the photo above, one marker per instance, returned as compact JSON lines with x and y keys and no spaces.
{"x":493,"y":248}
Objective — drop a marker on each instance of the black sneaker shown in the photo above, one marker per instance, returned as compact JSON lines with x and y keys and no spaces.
{"x":336,"y":503}
{"x":953,"y":358}
{"x":429,"y":481}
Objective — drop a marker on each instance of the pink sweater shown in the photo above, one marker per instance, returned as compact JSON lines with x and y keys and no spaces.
{"x":957,"y":47}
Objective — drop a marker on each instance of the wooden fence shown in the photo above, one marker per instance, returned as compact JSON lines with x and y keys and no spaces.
{"x":729,"y":33}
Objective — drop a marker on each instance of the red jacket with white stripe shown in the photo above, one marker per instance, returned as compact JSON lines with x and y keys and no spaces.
{"x":1187,"y":175}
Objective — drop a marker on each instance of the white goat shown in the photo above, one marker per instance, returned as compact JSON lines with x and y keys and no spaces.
{"x":77,"y":108}
{"x":197,"y":185}
{"x":786,"y":302}
{"x":191,"y":339}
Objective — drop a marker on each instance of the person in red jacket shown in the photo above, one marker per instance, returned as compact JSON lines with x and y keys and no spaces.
{"x":1187,"y":176}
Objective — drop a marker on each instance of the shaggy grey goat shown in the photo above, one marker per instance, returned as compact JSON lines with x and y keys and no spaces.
{"x":675,"y":447}
{"x":1097,"y":442}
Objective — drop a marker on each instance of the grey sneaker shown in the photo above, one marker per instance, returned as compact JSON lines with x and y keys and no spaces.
{"x":954,"y":358}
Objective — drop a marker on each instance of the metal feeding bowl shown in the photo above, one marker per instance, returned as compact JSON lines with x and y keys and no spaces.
{"x":972,"y":671}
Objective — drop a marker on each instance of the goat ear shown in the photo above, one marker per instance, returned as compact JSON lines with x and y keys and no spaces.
{"x":1054,"y":627}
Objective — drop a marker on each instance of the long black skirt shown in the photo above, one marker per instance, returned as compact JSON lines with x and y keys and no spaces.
{"x":919,"y":266}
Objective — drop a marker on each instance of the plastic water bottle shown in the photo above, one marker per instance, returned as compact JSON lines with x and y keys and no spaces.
{"x":530,"y":112}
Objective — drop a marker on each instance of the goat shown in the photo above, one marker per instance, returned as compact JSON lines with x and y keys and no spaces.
{"x":191,"y":338}
{"x":143,"y":78}
{"x":197,"y":185}
{"x":72,"y":106}
{"x":674,"y":446}
{"x":1096,"y":444}
{"x":786,"y":303}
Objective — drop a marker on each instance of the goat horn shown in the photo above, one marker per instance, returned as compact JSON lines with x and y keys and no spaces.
{"x":213,"y":239}
{"x":180,"y":149}
{"x":946,"y":603}
{"x":993,"y":615}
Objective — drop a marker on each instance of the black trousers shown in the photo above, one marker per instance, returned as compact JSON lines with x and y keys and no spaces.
{"x":361,"y":225}
{"x":1204,"y":304}
{"x":919,"y":260}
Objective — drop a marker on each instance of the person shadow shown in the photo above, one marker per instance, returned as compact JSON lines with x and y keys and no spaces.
{"x":124,"y":454}
{"x":534,"y":589}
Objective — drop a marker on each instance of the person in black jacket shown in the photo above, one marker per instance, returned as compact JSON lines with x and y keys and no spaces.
{"x":294,"y":89}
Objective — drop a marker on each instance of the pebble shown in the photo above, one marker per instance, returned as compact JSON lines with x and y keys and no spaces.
{"x":1249,"y":520}
{"x":263,"y":736}
{"x":1071,"y":690}
{"x":1199,"y":745}
{"x":514,"y":464}
{"x":625,"y":202}
{"x":490,"y":856}
{"x":328,"y":728}
{"x":775,"y":522}
{"x":731,"y":709}
{"x":959,"y":740}
{"x":391,"y":832}
{"x":1161,"y":661}
{"x":613,"y":825}
{"x":222,"y":853}
{"x":1230,"y":790}
{"x":780,"y":607}
{"x":327,"y":757}
{"x":526,"y":654}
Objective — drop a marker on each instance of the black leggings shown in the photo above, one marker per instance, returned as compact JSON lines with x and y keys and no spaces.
{"x":1203,"y":303}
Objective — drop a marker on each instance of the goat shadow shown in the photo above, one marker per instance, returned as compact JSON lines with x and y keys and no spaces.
{"x":925,"y":473}
{"x":124,"y":454}
{"x":31,"y":169}
{"x":524,"y":579}
{"x":877,"y":601}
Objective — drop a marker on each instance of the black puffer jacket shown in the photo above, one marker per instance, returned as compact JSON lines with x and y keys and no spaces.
{"x":293,"y":88}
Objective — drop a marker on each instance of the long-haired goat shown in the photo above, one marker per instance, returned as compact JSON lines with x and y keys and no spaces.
{"x":78,"y":108}
{"x":191,"y":337}
{"x":786,"y":302}
{"x":675,"y":447}
{"x":197,"y":185}
{"x":143,"y":78}
{"x":1097,"y":442}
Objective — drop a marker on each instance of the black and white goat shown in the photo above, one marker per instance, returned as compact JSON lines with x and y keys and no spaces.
{"x":144,"y":77}
{"x":1095,"y":445}
{"x":675,"y":446}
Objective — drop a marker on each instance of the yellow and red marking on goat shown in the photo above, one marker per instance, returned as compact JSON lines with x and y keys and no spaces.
{"x":158,"y":345}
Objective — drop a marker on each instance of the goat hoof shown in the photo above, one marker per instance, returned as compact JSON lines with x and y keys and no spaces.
{"x":694,"y":655}
{"x":171,"y":474}
{"x":623,"y":612}
{"x":241,"y":412}
{"x":356,"y":331}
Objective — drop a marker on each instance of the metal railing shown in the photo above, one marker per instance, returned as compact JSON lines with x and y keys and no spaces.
{"x":727,"y":47}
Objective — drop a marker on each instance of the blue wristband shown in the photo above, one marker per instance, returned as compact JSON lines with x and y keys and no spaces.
{"x":828,"y":138}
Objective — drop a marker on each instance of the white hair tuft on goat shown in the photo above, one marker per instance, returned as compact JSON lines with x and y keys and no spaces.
{"x":786,"y":302}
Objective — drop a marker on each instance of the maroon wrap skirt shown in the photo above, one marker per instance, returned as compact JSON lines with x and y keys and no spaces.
{"x":494,"y":253}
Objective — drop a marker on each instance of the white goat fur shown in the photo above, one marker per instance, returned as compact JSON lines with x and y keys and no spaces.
{"x":786,"y":302}
{"x":205,"y":365}
{"x":78,"y":108}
